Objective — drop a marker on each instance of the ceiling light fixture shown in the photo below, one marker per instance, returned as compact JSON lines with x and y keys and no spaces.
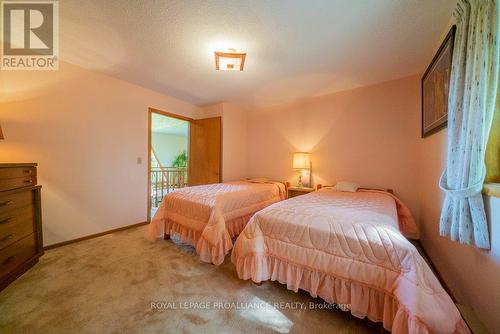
{"x":229,"y":61}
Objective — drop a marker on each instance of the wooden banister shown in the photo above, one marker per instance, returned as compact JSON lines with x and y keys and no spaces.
{"x":165,"y":180}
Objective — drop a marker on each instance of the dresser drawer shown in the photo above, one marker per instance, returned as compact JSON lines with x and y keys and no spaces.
{"x":294,"y":192}
{"x":21,"y":237}
{"x":16,"y":254}
{"x":14,"y":201}
{"x":18,"y":182}
{"x":16,"y":172}
{"x":16,"y":225}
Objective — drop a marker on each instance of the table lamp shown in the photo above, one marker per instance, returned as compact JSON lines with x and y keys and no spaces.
{"x":302,"y":162}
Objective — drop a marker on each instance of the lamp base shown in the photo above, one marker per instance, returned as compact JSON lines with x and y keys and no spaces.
{"x":304,"y":179}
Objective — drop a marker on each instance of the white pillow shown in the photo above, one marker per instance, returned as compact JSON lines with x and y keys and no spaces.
{"x":346,"y":186}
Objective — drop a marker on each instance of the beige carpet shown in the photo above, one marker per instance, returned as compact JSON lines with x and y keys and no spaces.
{"x":107,"y":285}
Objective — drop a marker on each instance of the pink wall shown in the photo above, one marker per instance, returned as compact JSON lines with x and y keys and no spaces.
{"x":371,"y":135}
{"x":368,"y":135}
{"x":234,"y":138}
{"x":86,"y":131}
{"x":473,"y":275}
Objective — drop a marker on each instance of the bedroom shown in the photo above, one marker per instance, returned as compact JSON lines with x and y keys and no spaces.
{"x":338,"y":80}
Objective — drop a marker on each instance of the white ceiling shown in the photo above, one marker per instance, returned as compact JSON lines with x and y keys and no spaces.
{"x":296,"y":48}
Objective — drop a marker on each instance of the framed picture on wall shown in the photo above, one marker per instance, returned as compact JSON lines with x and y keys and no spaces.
{"x":435,"y":87}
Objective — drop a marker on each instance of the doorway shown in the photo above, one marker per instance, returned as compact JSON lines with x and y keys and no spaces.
{"x":182,"y":151}
{"x":168,"y":155}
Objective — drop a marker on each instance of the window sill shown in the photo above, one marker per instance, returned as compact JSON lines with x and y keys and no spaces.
{"x":491,"y":189}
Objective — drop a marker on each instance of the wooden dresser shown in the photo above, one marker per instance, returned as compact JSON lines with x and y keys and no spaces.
{"x":20,"y":221}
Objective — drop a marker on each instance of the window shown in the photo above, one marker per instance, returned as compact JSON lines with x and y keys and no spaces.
{"x":493,"y":148}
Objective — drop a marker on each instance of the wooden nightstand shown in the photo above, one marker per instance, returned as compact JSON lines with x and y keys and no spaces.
{"x":296,"y":191}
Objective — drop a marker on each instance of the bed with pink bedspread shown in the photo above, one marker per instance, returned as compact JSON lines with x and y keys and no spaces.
{"x":349,"y":248}
{"x":208,"y":217}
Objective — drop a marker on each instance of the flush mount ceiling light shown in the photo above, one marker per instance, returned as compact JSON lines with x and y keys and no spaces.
{"x":230,"y":60}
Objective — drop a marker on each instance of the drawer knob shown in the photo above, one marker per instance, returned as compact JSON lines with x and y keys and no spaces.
{"x":5,"y":203}
{"x":27,"y":181}
{"x":8,"y":237}
{"x":8,"y":260}
{"x":5,"y":221}
{"x":27,"y":171}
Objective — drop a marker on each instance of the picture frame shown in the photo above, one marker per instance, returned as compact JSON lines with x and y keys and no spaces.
{"x":435,"y":86}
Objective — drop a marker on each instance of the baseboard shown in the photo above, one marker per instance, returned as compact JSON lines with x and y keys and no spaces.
{"x":67,"y":242}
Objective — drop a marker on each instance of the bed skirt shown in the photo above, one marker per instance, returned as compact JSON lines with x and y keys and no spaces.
{"x":207,"y":251}
{"x":362,"y":301}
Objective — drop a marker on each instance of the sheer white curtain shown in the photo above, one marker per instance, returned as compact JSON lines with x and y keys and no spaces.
{"x":471,"y":104}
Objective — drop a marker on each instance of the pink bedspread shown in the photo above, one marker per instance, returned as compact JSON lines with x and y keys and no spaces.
{"x":347,"y":248}
{"x":208,"y":216}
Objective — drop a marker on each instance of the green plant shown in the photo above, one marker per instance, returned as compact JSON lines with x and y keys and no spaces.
{"x":180,"y":160}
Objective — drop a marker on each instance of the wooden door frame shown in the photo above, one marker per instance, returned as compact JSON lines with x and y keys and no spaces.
{"x":168,"y":114}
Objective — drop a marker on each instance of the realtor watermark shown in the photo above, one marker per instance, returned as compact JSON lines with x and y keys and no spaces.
{"x":30,"y":35}
{"x":225,"y":305}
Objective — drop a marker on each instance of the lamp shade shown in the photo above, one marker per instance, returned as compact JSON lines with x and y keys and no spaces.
{"x":1,"y":133}
{"x":301,"y":160}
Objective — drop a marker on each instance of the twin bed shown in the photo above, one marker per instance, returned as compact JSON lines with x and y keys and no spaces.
{"x":345,"y":247}
{"x":208,"y":217}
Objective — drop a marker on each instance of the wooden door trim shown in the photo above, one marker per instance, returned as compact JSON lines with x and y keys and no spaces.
{"x":168,"y":114}
{"x":163,"y":113}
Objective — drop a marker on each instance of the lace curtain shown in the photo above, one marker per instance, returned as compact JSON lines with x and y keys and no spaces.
{"x":471,"y":104}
